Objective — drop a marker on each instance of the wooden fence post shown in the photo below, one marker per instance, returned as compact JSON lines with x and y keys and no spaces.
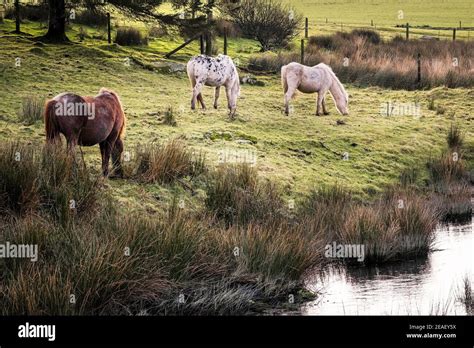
{"x":306,"y":28}
{"x":109,"y":36}
{"x":225,"y":41}
{"x":408,"y":31}
{"x":302,"y":51}
{"x":454,"y":34}
{"x":371,"y":22}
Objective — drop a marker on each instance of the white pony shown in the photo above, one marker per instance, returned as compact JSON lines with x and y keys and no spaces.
{"x":214,"y":72}
{"x":320,"y":79}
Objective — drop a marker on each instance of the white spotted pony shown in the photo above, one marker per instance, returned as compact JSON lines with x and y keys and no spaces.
{"x":214,"y":72}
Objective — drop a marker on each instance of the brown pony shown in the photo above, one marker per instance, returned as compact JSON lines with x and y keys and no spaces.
{"x":88,"y":121}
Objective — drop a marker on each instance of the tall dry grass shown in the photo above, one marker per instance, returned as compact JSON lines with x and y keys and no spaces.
{"x":362,"y":58}
{"x":167,"y":162}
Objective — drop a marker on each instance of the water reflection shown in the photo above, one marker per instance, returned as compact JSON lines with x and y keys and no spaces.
{"x":418,"y":287}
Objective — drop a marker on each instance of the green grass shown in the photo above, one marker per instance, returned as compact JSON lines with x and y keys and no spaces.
{"x":301,"y":151}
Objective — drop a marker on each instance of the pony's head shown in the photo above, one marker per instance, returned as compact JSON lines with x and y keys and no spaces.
{"x":342,"y":104}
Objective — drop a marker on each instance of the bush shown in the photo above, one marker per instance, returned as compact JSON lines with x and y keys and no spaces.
{"x":31,"y":110}
{"x":130,"y":37}
{"x":267,"y":21}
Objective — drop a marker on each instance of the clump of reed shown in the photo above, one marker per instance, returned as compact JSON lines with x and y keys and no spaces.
{"x":31,"y":110}
{"x":130,"y":37}
{"x":45,"y":181}
{"x":449,"y":179}
{"x":167,"y":163}
{"x":236,"y":195}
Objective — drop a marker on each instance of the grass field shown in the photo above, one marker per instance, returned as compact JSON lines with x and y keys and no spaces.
{"x":386,"y":14}
{"x":300,"y":151}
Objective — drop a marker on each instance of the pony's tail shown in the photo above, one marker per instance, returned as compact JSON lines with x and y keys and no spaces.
{"x":50,"y":122}
{"x":122,"y":130}
{"x":190,"y":72}
{"x":284,"y":81}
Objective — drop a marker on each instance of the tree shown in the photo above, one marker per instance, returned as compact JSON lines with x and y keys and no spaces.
{"x":269,"y":22}
{"x":57,"y":21}
{"x":17,"y":16}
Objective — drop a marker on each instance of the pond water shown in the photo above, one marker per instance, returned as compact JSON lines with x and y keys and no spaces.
{"x":429,"y":286}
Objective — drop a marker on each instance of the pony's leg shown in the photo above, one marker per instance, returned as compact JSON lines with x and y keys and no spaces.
{"x":196,"y":94}
{"x":319,"y":103}
{"x":116,"y":158}
{"x":288,"y":96}
{"x":216,"y":96}
{"x":324,"y":107}
{"x":201,"y":101}
{"x":231,"y":101}
{"x":105,"y":150}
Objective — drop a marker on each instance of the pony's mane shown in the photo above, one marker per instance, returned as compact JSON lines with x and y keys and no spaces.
{"x":329,"y":69}
{"x":104,"y":90}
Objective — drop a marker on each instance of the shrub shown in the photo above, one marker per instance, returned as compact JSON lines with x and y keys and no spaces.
{"x":130,"y":37}
{"x":266,"y":21}
{"x":31,"y":110}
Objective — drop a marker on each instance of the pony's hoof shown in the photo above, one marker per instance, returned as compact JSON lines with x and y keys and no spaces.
{"x":318,"y":114}
{"x":215,"y":107}
{"x":326,"y":113}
